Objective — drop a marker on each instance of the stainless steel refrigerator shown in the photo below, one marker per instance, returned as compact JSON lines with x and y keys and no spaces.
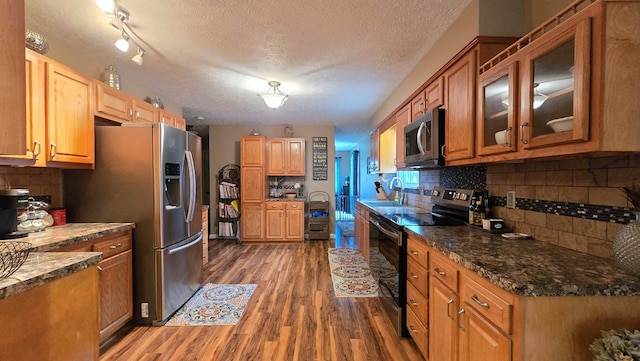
{"x":149,"y":174}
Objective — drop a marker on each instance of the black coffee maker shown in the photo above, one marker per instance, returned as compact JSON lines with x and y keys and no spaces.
{"x":12,"y":203}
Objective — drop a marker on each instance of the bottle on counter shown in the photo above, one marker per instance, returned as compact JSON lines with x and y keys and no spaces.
{"x":472,"y":210}
{"x":478,"y":212}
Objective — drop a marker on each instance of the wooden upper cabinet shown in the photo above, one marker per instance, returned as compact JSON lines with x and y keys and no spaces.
{"x":403,"y":117}
{"x":460,"y":108}
{"x":180,"y":123}
{"x":69,"y":116}
{"x":112,"y":104}
{"x":434,"y":94}
{"x":13,"y":138}
{"x":252,"y":150}
{"x":286,"y":156}
{"x":143,"y":112}
{"x":418,"y":106}
{"x":166,"y":117}
{"x":374,"y":152}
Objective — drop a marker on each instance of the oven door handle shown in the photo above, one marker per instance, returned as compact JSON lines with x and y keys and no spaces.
{"x":391,"y":234}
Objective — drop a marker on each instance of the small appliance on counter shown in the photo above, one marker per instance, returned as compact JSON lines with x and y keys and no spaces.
{"x":13,"y":202}
{"x":35,"y":218}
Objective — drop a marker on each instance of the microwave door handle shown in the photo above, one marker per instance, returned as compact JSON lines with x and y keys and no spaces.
{"x":192,"y":185}
{"x":421,"y":128}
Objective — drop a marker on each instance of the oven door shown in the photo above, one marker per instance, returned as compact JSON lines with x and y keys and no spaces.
{"x":387,"y":252}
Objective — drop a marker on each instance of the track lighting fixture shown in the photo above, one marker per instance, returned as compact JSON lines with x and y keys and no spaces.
{"x":120,"y":17}
{"x":138,"y":57}
{"x":123,"y":43}
{"x":273,"y":97}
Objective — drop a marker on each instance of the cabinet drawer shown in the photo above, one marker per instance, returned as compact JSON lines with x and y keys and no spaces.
{"x":487,"y":302}
{"x":444,"y":269}
{"x":294,"y":205}
{"x":113,"y":246}
{"x":275,"y":205}
{"x":418,"y":332}
{"x":418,"y":276}
{"x":418,"y":250}
{"x":417,"y":302}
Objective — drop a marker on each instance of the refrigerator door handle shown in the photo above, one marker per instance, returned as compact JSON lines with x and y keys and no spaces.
{"x":185,"y":246}
{"x":192,"y":185}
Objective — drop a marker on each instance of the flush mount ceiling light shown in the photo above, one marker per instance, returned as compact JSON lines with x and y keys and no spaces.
{"x":108,"y":6}
{"x":123,"y":43}
{"x":273,"y":97}
{"x":138,"y":57}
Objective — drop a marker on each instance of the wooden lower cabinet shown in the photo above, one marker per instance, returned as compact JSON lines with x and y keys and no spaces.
{"x":443,"y":341}
{"x":470,"y":318}
{"x":284,"y":221}
{"x":252,"y":221}
{"x":480,"y":340}
{"x":418,"y":292}
{"x":361,"y":230}
{"x":115,"y":279}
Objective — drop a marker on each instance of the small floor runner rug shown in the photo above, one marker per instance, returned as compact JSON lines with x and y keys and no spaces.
{"x":350,"y":274}
{"x":214,"y":305}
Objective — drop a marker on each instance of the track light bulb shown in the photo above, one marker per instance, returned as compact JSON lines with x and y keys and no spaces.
{"x":123,"y":43}
{"x":138,"y":57}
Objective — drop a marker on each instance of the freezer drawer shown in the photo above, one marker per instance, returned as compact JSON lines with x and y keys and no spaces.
{"x":179,"y":275}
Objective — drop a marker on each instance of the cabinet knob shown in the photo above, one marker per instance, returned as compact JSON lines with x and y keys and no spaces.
{"x":460,"y":313}
{"x":441,"y":273}
{"x":413,"y":252}
{"x":413,"y":328}
{"x":413,"y":302}
{"x":54,"y":149}
{"x":475,"y":299}
{"x":36,"y":149}
{"x":114,"y":246}
{"x":414,"y":276}
{"x":522,"y":139}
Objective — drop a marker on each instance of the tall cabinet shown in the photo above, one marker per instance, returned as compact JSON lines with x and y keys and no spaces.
{"x":252,"y":189}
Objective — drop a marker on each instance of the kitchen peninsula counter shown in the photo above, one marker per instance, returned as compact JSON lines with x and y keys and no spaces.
{"x":529,"y":267}
{"x":43,"y":266}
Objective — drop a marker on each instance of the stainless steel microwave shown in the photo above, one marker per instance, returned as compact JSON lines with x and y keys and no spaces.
{"x":424,"y":140}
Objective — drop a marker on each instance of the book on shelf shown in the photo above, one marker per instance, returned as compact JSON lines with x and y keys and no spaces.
{"x":225,"y":229}
{"x":228,"y":190}
{"x":227,"y":210}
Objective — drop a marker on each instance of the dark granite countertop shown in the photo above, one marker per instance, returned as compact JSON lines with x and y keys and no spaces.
{"x":529,"y":267}
{"x":42,"y":266}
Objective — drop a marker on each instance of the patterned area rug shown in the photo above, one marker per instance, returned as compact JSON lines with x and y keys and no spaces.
{"x":350,"y":274}
{"x":214,"y":305}
{"x":346,"y":228}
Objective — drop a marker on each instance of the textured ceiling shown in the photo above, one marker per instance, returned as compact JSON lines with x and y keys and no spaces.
{"x":338,"y":60}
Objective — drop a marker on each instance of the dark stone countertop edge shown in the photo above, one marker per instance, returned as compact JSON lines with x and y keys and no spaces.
{"x":54,"y":266}
{"x":613,"y":283}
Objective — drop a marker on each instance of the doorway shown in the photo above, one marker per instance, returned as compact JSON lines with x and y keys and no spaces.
{"x":346,"y":184}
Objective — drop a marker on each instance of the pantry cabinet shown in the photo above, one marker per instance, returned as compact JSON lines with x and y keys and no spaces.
{"x":252,"y":187}
{"x":13,"y":139}
{"x":252,"y":221}
{"x":286,"y":156}
{"x":59,"y":116}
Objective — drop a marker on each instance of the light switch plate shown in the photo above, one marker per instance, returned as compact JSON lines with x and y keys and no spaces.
{"x":511,"y":199}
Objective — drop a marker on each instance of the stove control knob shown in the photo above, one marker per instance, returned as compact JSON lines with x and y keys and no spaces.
{"x":434,"y":193}
{"x":463,"y":196}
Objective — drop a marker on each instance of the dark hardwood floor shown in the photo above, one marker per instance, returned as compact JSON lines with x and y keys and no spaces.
{"x":292,"y":315}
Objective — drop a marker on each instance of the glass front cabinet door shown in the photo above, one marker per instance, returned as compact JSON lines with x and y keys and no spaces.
{"x":497,"y":110}
{"x":555,"y":88}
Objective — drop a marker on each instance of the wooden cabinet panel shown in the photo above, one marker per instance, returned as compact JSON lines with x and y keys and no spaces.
{"x":166,"y":118}
{"x":441,"y":268}
{"x":361,"y":230}
{"x":374,"y":152}
{"x":252,"y":150}
{"x":418,"y":106}
{"x":252,"y":187}
{"x":112,"y":103}
{"x":294,"y":221}
{"x":418,"y":250}
{"x":480,"y":340}
{"x":12,"y":85}
{"x":205,"y":235}
{"x":443,"y":302}
{"x":460,"y":108}
{"x":286,"y":156}
{"x":403,"y":117}
{"x":274,"y":220}
{"x":417,"y":302}
{"x":418,"y":276}
{"x":116,"y":293}
{"x":180,"y":123}
{"x":487,"y":300}
{"x":419,"y":332}
{"x":434,"y":94}
{"x":276,"y":156}
{"x":144,"y":112}
{"x":387,"y":147}
{"x":252,"y":221}
{"x":69,"y":116}
{"x":113,"y":246}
